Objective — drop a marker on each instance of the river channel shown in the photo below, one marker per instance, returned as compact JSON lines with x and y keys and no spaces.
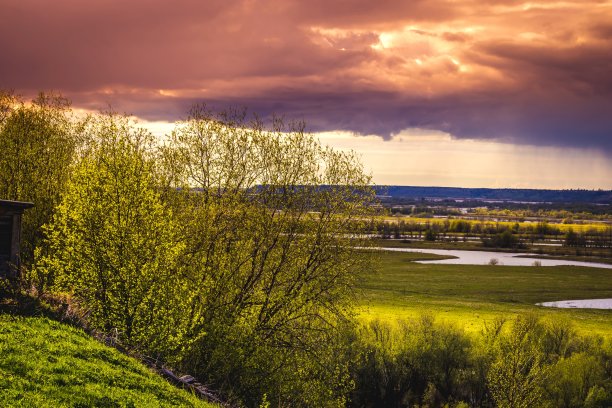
{"x":503,"y":258}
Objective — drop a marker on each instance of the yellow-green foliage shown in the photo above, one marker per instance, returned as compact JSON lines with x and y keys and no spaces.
{"x":268,"y":217}
{"x":113,"y":244}
{"x":37,"y":144}
{"x":563,"y":227}
{"x":231,"y":250}
{"x":520,"y":362}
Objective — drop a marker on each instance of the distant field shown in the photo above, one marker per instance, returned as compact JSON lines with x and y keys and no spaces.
{"x":576,"y":227}
{"x":472,"y":295}
{"x":44,"y":363}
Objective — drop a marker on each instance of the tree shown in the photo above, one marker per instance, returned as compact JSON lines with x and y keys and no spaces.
{"x":38,"y":141}
{"x":229,"y":248}
{"x":572,"y":239}
{"x":112,"y":243}
{"x":518,"y":371}
{"x":270,"y":222}
{"x":430,"y":235}
{"x":503,"y":239}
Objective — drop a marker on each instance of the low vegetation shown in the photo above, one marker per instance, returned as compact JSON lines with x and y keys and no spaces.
{"x":522,"y":362}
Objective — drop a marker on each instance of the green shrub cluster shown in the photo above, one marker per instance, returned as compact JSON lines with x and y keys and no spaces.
{"x":523,"y":362}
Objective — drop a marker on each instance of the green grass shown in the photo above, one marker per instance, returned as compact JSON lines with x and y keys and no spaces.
{"x":471,"y":295}
{"x":569,"y":258}
{"x":44,"y":363}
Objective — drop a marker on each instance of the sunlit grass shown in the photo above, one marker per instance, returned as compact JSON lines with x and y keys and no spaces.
{"x":44,"y":363}
{"x":471,"y":295}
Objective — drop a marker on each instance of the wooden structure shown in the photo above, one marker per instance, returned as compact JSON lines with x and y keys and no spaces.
{"x":10,"y":235}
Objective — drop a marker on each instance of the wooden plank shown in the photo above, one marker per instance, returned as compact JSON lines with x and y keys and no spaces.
{"x":16,"y":243}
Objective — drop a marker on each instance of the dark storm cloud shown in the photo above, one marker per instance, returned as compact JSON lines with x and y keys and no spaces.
{"x":534,"y":73}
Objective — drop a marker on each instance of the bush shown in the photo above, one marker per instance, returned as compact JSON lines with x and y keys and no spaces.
{"x":430,"y":235}
{"x":518,"y":371}
{"x":574,"y":378}
{"x":503,"y":239}
{"x":113,"y":244}
{"x":414,"y":363}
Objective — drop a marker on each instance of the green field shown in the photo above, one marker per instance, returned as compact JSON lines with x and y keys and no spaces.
{"x":44,"y":363}
{"x":471,"y":295}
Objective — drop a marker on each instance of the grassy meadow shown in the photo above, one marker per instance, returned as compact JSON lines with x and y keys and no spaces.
{"x":472,"y":295}
{"x":49,"y":364}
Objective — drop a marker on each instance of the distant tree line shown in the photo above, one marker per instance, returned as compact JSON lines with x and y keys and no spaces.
{"x":511,"y":195}
{"x":491,"y":234}
{"x":508,"y":210}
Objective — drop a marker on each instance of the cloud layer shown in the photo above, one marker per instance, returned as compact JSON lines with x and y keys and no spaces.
{"x":527,"y":72}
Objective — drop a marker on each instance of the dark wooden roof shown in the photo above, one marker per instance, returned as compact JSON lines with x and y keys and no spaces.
{"x":15,"y":205}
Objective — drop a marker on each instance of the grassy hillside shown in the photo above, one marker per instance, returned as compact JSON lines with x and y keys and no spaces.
{"x":44,"y":363}
{"x":472,"y":295}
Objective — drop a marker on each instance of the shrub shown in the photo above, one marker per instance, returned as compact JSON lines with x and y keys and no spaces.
{"x":113,"y":244}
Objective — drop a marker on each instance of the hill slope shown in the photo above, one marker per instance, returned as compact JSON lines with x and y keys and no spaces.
{"x":44,"y":363}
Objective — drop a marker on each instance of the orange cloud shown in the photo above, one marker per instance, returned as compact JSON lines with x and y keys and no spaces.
{"x":529,"y":72}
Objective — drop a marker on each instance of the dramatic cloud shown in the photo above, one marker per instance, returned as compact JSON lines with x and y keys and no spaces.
{"x":528,"y":72}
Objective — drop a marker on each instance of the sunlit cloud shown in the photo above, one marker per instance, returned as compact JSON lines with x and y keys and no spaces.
{"x":517,"y":73}
{"x":422,"y":157}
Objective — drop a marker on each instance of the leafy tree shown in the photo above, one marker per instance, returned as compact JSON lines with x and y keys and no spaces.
{"x":430,"y":235}
{"x":572,"y":239}
{"x":268,"y":219}
{"x":412,"y":363}
{"x":573,"y":379}
{"x":518,"y":371}
{"x":38,"y":141}
{"x":503,"y":239}
{"x":112,"y":243}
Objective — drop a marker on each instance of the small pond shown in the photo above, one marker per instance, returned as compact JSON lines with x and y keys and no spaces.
{"x":580,"y":304}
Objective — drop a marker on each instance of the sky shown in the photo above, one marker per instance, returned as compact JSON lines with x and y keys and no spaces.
{"x":472,"y":93}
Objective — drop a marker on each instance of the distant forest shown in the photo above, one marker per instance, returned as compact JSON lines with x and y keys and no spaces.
{"x":506,"y":194}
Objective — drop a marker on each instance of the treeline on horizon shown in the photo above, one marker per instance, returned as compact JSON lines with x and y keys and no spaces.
{"x":513,"y":211}
{"x":161,"y":245}
{"x":497,"y":235}
{"x":508,"y":194}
